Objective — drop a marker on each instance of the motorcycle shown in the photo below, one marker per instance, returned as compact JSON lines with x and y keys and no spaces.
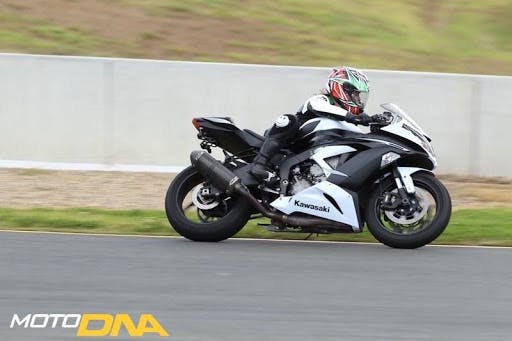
{"x":331,"y":180}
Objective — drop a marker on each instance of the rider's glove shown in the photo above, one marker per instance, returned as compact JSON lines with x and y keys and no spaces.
{"x":363,"y":119}
{"x":379,"y":118}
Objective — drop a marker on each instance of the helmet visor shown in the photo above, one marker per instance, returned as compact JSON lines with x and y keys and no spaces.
{"x":359,"y":98}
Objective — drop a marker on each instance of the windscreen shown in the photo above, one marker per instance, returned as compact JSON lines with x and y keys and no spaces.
{"x":402,"y":115}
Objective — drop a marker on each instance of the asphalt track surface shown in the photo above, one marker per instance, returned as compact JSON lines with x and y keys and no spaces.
{"x":259,"y":290}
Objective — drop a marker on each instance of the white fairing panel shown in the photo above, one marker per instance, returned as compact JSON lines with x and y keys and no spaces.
{"x":398,"y":130}
{"x":326,"y":152}
{"x":312,"y":201}
{"x":404,"y":126}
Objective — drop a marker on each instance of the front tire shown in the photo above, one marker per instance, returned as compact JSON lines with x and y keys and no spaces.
{"x":180,"y":214}
{"x":395,"y":232}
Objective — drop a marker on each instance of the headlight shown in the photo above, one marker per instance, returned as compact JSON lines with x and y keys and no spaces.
{"x":388,"y":158}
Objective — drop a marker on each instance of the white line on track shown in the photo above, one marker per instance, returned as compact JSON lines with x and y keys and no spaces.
{"x":244,"y":239}
{"x":68,"y":166}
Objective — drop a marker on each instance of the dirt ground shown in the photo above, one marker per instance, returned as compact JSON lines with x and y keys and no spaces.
{"x":25,"y":188}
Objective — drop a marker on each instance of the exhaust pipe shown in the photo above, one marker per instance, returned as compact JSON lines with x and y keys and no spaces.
{"x":213,"y":170}
{"x":227,"y":181}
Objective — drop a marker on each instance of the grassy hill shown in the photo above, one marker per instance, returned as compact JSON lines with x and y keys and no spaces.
{"x":430,"y":35}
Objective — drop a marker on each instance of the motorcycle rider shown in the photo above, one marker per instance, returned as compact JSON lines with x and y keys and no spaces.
{"x":344,"y":99}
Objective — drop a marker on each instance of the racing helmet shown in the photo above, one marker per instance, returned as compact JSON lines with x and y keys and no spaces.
{"x":349,"y":88}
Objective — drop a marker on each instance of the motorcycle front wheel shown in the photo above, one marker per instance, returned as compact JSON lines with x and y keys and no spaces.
{"x":199,"y":217}
{"x":405,"y":229}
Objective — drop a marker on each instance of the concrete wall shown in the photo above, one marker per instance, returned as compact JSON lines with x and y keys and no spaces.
{"x":138,"y":112}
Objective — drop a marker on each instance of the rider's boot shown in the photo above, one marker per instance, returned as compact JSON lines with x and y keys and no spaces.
{"x":259,"y":168}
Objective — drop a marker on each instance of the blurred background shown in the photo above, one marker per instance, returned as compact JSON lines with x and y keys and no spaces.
{"x":424,"y":35}
{"x":448,"y":63}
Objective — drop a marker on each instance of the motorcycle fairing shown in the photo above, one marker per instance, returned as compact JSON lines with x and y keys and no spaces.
{"x":364,"y":165}
{"x":323,"y":123}
{"x":322,"y":153}
{"x":325,"y":200}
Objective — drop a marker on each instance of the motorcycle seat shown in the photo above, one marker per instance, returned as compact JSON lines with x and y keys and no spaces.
{"x":255,"y":134}
{"x":252,"y":138}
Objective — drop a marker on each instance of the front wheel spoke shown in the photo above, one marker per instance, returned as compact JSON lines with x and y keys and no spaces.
{"x":402,"y":220}
{"x":399,"y":224}
{"x":188,"y":206}
{"x":203,"y":217}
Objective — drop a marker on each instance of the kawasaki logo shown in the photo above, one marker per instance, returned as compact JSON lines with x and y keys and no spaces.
{"x":312,"y":207}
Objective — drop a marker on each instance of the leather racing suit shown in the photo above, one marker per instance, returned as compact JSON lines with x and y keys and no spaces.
{"x":287,"y":126}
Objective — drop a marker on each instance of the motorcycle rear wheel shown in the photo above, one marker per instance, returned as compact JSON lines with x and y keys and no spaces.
{"x":193,"y":223}
{"x":396,"y":231}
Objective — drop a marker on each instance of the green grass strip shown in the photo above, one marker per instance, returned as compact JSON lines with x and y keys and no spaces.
{"x":491,"y":226}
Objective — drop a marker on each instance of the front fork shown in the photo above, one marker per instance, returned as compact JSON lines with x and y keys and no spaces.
{"x":405,"y":199}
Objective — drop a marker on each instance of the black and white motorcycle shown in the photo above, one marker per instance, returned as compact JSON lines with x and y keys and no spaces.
{"x":331,"y":180}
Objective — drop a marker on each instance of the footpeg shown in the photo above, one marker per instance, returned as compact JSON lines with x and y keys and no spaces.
{"x":263,"y":224}
{"x":273,"y":228}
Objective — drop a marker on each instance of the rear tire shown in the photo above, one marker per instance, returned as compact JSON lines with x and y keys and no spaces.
{"x":223,"y":228}
{"x":429,"y":232}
